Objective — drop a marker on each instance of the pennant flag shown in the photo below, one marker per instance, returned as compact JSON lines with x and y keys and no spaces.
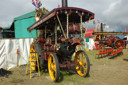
{"x":106,"y":26}
{"x":36,"y":3}
{"x":126,"y":29}
{"x":58,"y":5}
{"x":94,"y":22}
{"x":98,"y":21}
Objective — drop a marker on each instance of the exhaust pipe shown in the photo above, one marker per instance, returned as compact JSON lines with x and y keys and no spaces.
{"x":101,"y":27}
{"x":64,"y":3}
{"x":101,"y":31}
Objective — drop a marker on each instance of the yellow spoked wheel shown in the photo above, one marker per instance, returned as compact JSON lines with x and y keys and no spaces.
{"x":53,"y":67}
{"x":83,"y":64}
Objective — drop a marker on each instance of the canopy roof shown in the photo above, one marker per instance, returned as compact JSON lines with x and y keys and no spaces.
{"x":25,"y":16}
{"x":89,"y":33}
{"x":50,"y":18}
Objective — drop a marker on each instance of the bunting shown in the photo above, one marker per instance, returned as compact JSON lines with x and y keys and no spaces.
{"x":36,"y":3}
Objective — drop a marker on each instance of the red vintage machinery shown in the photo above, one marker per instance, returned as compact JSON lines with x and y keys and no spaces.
{"x":60,"y":33}
{"x":111,"y":41}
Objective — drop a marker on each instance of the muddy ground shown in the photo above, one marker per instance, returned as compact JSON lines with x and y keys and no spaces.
{"x":103,"y":71}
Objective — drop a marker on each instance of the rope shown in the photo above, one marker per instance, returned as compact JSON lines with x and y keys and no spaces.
{"x":61,"y":26}
{"x":67,"y":25}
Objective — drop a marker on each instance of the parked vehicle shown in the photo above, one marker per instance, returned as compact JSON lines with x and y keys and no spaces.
{"x":61,"y":32}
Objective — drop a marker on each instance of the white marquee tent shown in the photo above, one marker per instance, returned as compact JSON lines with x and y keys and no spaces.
{"x":8,"y":52}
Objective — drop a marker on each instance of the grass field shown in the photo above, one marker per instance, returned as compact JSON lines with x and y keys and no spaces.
{"x":103,"y":71}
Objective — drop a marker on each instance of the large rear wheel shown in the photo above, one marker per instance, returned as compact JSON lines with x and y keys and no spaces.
{"x":119,"y":43}
{"x":83,"y":64}
{"x":53,"y":67}
{"x":35,"y":50}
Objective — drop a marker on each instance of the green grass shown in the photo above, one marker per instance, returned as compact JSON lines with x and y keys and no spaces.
{"x":103,"y":71}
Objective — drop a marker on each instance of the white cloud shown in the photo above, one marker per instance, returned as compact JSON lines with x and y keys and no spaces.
{"x":112,"y":7}
{"x":117,"y":15}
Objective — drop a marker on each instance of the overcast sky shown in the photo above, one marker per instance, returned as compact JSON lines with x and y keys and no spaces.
{"x":112,"y":12}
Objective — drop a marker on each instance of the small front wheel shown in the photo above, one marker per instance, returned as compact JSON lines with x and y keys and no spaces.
{"x":83,"y":64}
{"x":53,"y":67}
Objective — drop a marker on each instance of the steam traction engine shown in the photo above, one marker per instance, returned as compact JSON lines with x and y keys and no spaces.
{"x":60,"y":34}
{"x":110,"y":41}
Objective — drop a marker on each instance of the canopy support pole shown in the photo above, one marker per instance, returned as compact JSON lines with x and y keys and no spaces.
{"x":81,"y":24}
{"x":87,"y":25}
{"x":61,"y":26}
{"x":67,"y":25}
{"x":45,"y":32}
{"x":55,"y":33}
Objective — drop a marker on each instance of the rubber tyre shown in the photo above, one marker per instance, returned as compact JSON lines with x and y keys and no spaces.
{"x":57,"y":73}
{"x":87,"y":64}
{"x":116,"y":42}
{"x":39,"y":54}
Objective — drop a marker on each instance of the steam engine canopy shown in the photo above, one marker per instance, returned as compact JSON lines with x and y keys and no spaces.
{"x":74,"y":13}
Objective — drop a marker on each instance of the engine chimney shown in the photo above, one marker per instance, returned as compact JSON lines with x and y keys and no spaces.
{"x":101,"y":31}
{"x":64,"y":3}
{"x":101,"y":27}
